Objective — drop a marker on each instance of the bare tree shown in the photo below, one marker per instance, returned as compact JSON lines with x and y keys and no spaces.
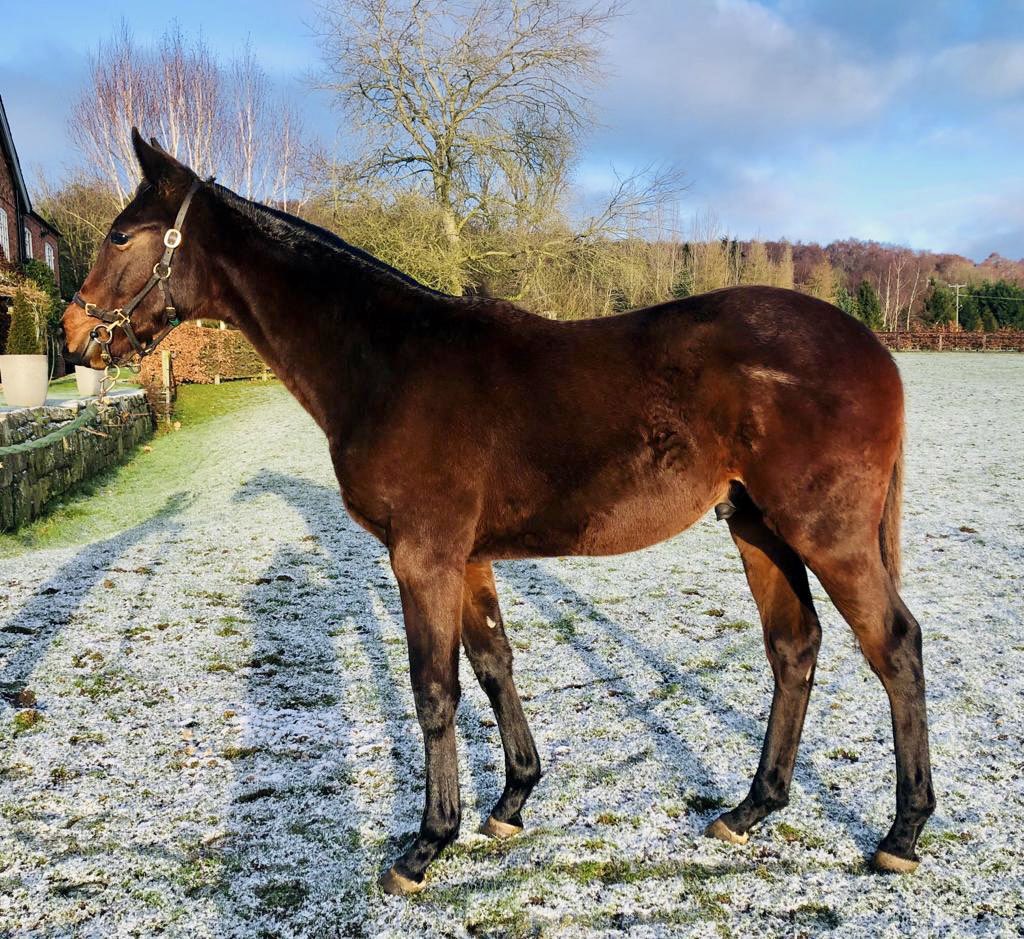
{"x":81,"y":208}
{"x":480,"y":101}
{"x":219,"y":119}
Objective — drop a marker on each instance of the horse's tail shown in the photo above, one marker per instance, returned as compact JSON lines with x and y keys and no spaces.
{"x":889,"y":527}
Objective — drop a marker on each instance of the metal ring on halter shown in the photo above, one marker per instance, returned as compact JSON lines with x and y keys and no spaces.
{"x":161,"y":271}
{"x":172,"y":238}
{"x":94,"y":334}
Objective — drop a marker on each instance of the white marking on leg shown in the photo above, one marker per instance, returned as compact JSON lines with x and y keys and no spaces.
{"x":491,"y":623}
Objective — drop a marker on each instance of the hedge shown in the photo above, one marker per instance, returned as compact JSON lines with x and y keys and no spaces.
{"x":201,"y":355}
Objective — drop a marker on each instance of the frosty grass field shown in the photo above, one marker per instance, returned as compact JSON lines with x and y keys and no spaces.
{"x":225,"y":711}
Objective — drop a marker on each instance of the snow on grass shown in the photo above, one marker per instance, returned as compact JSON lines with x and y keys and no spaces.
{"x":215,"y":735}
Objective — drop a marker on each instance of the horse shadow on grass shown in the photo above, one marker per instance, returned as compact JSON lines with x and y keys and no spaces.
{"x":329,"y":770}
{"x":552,"y":597}
{"x":28,"y":634}
{"x":329,"y":775}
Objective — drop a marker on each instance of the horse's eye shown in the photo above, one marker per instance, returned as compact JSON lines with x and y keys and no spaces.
{"x":119,"y":237}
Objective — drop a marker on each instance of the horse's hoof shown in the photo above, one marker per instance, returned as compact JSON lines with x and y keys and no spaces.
{"x":398,"y":885}
{"x":893,"y":863}
{"x":718,"y":829}
{"x":500,"y":830}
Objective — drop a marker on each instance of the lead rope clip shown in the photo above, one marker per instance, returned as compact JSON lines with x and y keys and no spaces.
{"x":110,"y":376}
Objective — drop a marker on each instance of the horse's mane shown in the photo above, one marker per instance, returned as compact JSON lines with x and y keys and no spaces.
{"x":298,"y":234}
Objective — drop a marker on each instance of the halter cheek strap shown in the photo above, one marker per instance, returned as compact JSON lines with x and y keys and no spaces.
{"x":121,"y":317}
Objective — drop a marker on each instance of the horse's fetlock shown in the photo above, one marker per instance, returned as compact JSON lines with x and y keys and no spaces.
{"x":922,"y":805}
{"x":443,"y":830}
{"x":527,"y":770}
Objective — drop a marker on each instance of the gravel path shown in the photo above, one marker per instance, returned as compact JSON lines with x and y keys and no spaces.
{"x":224,"y":743}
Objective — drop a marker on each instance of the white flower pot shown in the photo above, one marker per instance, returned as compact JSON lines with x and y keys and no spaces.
{"x":88,"y":380}
{"x":25,"y":379}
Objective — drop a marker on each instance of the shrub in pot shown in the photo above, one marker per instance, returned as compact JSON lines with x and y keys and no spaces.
{"x":24,"y":372}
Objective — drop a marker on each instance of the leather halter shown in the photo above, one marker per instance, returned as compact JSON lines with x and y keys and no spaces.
{"x":121,"y":317}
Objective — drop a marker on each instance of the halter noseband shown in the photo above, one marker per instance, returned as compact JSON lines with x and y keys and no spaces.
{"x":121,"y":317}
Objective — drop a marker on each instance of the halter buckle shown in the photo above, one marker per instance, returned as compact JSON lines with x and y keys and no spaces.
{"x":172,"y":238}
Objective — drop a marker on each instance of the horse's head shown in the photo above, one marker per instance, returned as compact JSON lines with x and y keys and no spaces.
{"x":146,"y":273}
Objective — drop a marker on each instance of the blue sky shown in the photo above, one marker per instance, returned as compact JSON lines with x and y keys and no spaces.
{"x":898,"y":121}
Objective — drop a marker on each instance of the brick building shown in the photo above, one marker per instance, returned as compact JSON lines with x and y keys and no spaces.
{"x":23,"y":234}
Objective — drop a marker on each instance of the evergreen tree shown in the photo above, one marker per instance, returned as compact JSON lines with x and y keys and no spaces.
{"x":24,"y":337}
{"x":40,"y":274}
{"x":939,"y":305}
{"x":970,"y":313}
{"x":996,"y":304}
{"x":869,"y":307}
{"x":846,"y":301}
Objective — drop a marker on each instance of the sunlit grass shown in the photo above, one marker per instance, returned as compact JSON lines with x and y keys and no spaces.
{"x":153,"y":481}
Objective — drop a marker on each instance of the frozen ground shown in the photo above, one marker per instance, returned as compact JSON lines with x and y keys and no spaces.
{"x":226,"y":743}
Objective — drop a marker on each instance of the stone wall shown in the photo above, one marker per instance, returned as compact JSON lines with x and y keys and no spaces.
{"x":30,"y":479}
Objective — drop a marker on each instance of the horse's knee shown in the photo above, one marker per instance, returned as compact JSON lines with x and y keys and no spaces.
{"x":435,"y":705}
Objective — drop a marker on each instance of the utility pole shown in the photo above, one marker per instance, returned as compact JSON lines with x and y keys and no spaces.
{"x":958,"y":288}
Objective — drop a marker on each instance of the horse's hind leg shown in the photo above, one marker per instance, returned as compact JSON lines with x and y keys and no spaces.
{"x":483,"y":635}
{"x":890,"y":639}
{"x":778,"y":581}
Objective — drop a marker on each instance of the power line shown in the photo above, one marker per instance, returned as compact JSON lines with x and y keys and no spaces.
{"x":992,"y":296}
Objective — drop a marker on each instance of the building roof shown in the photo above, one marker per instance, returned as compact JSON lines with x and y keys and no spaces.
{"x":7,"y":145}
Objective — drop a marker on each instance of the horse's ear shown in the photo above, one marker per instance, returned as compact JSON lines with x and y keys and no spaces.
{"x":159,"y":168}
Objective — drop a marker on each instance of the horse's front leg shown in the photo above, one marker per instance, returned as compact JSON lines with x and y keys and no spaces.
{"x":431,"y":590}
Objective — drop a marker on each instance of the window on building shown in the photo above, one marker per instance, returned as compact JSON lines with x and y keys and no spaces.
{"x":5,"y":238}
{"x":28,"y":244}
{"x":51,"y":258}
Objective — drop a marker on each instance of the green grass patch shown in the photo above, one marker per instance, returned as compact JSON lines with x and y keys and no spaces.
{"x":27,"y":721}
{"x":282,"y":894}
{"x":150,"y":485}
{"x":239,"y":753}
{"x":701,"y":802}
{"x":843,"y":753}
{"x":564,"y":627}
{"x":816,"y":915}
{"x":99,"y":685}
{"x":793,"y":834}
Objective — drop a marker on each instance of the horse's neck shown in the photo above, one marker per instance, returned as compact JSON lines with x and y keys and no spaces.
{"x":322,"y":326}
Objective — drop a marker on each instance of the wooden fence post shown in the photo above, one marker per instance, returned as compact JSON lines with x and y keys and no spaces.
{"x":165,"y":377}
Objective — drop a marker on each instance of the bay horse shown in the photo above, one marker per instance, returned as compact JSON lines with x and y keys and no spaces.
{"x":465,"y":431}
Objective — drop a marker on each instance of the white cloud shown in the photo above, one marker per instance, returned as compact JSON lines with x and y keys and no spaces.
{"x":991,"y":69}
{"x":737,"y":65}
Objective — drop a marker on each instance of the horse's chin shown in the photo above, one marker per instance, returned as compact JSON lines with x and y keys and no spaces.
{"x":87,"y":355}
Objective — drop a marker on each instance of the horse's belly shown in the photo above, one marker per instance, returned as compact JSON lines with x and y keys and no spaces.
{"x":584,"y":525}
{"x":644,"y":518}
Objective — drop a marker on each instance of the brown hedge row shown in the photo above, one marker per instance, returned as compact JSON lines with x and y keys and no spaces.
{"x":201,"y":354}
{"x":939,"y":340}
